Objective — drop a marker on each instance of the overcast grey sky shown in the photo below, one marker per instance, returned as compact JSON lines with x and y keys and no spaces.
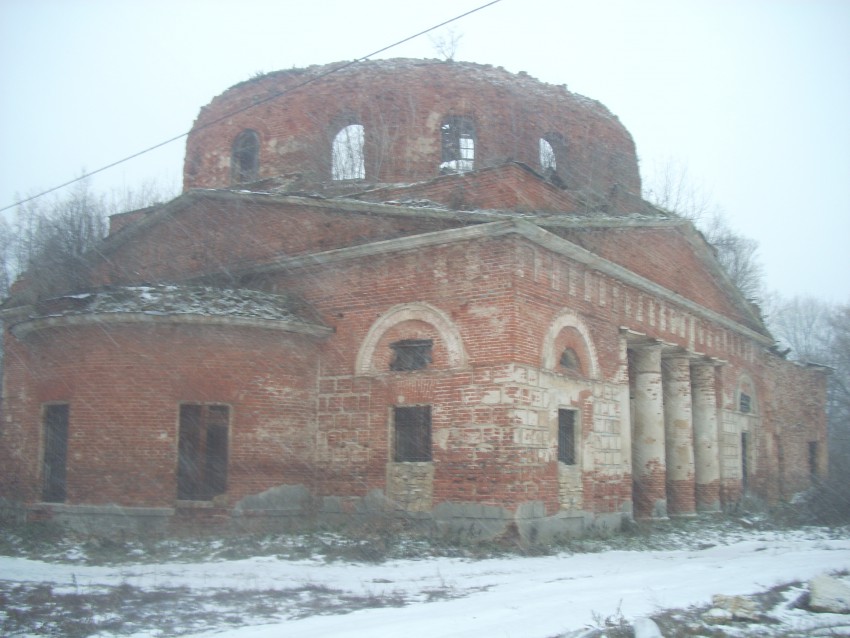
{"x":752,"y":96}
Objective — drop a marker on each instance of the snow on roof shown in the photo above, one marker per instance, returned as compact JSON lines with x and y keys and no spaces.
{"x":165,"y":299}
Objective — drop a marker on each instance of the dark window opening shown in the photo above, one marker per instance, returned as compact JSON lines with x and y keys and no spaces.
{"x":245,"y":162}
{"x":457,"y":136}
{"x":745,"y":403}
{"x":813,"y":458}
{"x":412,"y":434}
{"x":745,"y":461}
{"x":55,"y":464}
{"x":202,"y":452}
{"x":567,"y":436}
{"x":411,"y":354}
{"x":569,"y":360}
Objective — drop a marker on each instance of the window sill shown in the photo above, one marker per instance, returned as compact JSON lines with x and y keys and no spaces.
{"x":194,"y":504}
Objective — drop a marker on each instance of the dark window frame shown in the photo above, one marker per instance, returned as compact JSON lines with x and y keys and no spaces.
{"x":56,"y":423}
{"x":570,"y":360}
{"x":813,"y":449}
{"x":567,"y":430}
{"x":203,"y":450}
{"x":411,"y":354}
{"x":412,"y":434}
{"x":245,"y":157}
{"x":745,"y":403}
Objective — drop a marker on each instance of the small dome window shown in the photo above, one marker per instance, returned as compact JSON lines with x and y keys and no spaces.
{"x":548,"y":160}
{"x":457,"y":136}
{"x":347,"y":161}
{"x":245,"y":160}
{"x":552,"y":155}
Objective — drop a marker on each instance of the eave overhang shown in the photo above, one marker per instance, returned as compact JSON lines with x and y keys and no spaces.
{"x":26,"y":327}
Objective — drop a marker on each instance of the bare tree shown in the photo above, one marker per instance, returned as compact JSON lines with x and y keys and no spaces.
{"x":814,"y":331}
{"x":671,"y":188}
{"x":737,"y":254}
{"x":446,"y":44}
{"x":53,"y":241}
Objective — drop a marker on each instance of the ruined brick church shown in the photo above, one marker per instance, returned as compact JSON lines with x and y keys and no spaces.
{"x":402,"y":290}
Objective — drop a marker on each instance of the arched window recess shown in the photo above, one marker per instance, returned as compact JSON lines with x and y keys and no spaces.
{"x":347,"y":158}
{"x":245,"y":157}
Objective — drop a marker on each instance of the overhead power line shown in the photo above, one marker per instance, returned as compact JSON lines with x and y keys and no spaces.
{"x":269,"y":98}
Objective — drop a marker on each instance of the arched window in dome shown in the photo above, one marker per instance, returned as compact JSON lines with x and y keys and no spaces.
{"x":457,"y":136}
{"x":347,"y":160}
{"x":548,"y":161}
{"x":245,"y":159}
{"x":552,"y":155}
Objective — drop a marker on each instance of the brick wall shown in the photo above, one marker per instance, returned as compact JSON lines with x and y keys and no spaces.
{"x":303,"y":413}
{"x":124,"y":385}
{"x":401,"y":104}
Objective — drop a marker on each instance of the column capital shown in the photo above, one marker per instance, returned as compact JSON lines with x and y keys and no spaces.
{"x":700,"y":360}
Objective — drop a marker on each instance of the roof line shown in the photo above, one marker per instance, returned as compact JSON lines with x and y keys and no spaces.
{"x":28,"y":326}
{"x":526,"y":229}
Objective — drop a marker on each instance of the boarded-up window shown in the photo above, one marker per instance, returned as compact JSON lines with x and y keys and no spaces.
{"x":567,"y":436}
{"x":411,"y":354}
{"x":412,"y":433}
{"x":813,"y":459}
{"x":55,"y":453}
{"x":202,"y":451}
{"x":245,"y":160}
{"x":745,"y":403}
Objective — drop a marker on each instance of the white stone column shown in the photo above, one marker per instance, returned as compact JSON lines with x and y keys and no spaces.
{"x":679,"y":431}
{"x":648,"y":455}
{"x":706,"y":437}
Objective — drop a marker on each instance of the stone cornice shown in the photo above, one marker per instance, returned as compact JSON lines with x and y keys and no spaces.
{"x":529,"y":231}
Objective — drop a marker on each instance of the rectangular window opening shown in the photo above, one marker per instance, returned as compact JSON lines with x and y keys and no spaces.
{"x":202,"y":450}
{"x":55,"y":464}
{"x":411,"y":354}
{"x":745,"y":403}
{"x":567,"y":437}
{"x":813,"y":459}
{"x":412,"y":433}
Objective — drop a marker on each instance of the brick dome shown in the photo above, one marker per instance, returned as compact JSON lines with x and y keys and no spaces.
{"x":405,"y":121}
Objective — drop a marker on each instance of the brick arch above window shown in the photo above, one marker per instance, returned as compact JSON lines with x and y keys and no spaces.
{"x":420,"y":320}
{"x":566,"y":333}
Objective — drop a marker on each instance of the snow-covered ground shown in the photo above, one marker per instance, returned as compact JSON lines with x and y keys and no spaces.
{"x":514,"y":596}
